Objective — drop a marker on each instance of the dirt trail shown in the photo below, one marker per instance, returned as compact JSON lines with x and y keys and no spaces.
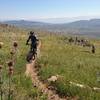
{"x":31,"y":71}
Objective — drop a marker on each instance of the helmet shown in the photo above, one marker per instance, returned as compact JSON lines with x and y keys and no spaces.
{"x":31,"y":33}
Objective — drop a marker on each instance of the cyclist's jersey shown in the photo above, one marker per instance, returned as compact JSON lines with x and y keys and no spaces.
{"x":33,"y":39}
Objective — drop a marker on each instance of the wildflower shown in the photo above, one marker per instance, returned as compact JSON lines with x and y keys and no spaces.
{"x":15,"y":44}
{"x":10,"y":65}
{"x":12,"y":52}
{"x":11,"y":70}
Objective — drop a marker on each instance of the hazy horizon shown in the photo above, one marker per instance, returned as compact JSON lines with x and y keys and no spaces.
{"x":57,"y":20}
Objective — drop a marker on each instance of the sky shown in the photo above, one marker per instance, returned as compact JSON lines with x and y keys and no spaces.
{"x":45,"y":9}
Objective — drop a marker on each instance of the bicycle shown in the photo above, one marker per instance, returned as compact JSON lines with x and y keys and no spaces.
{"x":31,"y":54}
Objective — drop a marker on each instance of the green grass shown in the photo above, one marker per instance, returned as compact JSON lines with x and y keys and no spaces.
{"x":74,"y":63}
{"x":22,"y":86}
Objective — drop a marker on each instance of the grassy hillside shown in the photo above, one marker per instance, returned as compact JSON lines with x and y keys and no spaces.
{"x":75,"y":63}
{"x":21,"y":86}
{"x":72,"y":62}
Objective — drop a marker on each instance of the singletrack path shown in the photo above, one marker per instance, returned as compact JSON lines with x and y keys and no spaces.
{"x":31,"y":71}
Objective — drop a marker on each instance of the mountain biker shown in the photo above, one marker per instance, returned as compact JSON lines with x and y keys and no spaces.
{"x":93,"y":49}
{"x":33,"y":40}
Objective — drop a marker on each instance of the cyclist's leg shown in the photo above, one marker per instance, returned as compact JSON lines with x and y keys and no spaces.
{"x":32,"y":47}
{"x":35,"y":48}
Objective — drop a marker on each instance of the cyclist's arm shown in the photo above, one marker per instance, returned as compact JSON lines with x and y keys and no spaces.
{"x":28,"y":39}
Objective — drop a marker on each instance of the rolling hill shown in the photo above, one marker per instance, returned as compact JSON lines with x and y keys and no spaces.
{"x":81,"y":27}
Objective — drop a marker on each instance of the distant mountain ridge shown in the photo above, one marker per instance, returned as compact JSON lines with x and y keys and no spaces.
{"x":87,"y":27}
{"x":85,"y":23}
{"x":25,"y":23}
{"x":78,"y":24}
